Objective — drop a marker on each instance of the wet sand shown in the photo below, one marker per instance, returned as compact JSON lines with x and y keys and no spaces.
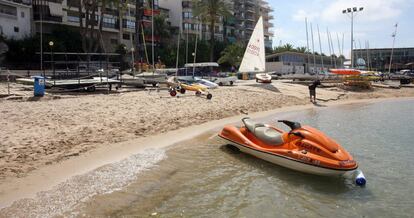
{"x":38,"y":136}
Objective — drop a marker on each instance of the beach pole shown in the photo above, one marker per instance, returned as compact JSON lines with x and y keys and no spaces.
{"x":152,"y":32}
{"x":41,"y":37}
{"x":186,"y":51}
{"x":8,"y":82}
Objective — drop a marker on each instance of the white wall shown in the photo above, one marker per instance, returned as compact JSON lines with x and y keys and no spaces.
{"x":279,"y":67}
{"x":21,"y":21}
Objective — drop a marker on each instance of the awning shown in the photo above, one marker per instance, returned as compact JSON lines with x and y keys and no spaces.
{"x":207,"y":64}
{"x":56,"y":9}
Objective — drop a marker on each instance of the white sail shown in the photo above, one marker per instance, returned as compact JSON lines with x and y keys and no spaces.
{"x":254,"y":56}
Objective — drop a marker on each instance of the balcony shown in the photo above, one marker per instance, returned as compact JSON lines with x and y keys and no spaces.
{"x":250,"y":18}
{"x":250,"y":9}
{"x":23,"y":2}
{"x":150,"y":39}
{"x":149,"y":12}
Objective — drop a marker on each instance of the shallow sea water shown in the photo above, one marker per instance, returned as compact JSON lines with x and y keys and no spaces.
{"x":204,"y":178}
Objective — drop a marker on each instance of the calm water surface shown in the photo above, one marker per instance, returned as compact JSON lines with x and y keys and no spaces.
{"x":204,"y":178}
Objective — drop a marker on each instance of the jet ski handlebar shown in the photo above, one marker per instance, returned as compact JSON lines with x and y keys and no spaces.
{"x":291,"y":124}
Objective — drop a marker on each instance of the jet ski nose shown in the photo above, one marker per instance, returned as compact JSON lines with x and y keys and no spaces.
{"x":360,"y":178}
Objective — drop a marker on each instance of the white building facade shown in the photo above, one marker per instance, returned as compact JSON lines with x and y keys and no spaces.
{"x":15,"y":18}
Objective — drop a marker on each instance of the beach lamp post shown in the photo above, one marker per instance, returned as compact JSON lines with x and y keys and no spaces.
{"x":51,"y":43}
{"x":351,"y":12}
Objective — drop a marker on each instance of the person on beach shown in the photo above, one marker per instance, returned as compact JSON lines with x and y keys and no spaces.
{"x":312,"y":90}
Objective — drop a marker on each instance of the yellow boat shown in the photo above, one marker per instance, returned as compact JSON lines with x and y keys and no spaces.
{"x":194,"y":87}
{"x":176,"y":86}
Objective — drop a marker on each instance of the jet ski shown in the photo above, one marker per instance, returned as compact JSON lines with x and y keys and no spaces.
{"x":303,"y":148}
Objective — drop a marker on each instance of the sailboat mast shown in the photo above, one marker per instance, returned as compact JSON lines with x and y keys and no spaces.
{"x":313,"y":49}
{"x":333,"y":50}
{"x":329,"y":45}
{"x":343,"y":42}
{"x":339,"y":44}
{"x":320,"y":47}
{"x":307,"y":47}
{"x":368,"y":55}
{"x":178,"y":52}
{"x":195,"y":54}
{"x":392,"y":50}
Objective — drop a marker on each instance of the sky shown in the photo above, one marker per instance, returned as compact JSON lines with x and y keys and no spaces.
{"x":375,"y":24}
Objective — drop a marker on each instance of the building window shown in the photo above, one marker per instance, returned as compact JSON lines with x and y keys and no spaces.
{"x":73,"y":17}
{"x":114,"y":41}
{"x":16,"y":29}
{"x":126,"y":36}
{"x":186,"y":4}
{"x":9,"y":10}
{"x":130,"y":24}
{"x":187,"y":15}
{"x":109,"y":22}
{"x":22,"y":14}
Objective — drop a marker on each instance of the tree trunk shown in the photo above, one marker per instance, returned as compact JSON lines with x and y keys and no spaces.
{"x":100,"y":39}
{"x":138,"y":30}
{"x":81,"y":26}
{"x":212,"y":39}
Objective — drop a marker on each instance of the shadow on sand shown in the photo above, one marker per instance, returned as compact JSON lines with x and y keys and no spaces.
{"x":317,"y":104}
{"x":268,"y":87}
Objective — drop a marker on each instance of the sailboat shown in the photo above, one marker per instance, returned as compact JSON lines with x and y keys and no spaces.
{"x":254,"y":60}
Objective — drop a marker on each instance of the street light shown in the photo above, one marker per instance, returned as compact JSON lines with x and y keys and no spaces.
{"x":351,"y":13}
{"x":51,"y":61}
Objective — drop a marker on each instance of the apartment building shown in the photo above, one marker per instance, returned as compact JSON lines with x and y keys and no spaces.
{"x":118,"y":22}
{"x":15,"y":17}
{"x":237,"y":28}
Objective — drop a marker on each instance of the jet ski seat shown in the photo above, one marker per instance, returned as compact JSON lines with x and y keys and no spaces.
{"x":265,"y":134}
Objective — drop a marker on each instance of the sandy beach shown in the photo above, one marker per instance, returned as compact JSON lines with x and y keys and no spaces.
{"x":39,"y":132}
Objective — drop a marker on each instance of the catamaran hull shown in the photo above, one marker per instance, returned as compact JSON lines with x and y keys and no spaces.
{"x":288,"y":162}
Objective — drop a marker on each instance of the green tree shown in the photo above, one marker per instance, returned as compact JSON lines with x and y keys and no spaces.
{"x":161,"y":27}
{"x":284,"y":48}
{"x":210,"y":11}
{"x":232,"y":55}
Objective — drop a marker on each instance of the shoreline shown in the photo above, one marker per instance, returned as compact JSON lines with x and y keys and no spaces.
{"x":13,"y":189}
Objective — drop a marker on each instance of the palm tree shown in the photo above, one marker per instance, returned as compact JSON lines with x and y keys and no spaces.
{"x":161,"y":27}
{"x":232,"y":55}
{"x":301,"y":49}
{"x":210,"y":11}
{"x":288,"y":47}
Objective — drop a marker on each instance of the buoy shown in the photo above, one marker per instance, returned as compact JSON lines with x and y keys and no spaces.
{"x":359,"y":178}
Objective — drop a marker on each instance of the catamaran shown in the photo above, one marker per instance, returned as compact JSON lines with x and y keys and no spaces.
{"x":254,"y":60}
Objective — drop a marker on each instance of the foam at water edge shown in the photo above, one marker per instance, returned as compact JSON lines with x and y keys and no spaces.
{"x":68,"y":194}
